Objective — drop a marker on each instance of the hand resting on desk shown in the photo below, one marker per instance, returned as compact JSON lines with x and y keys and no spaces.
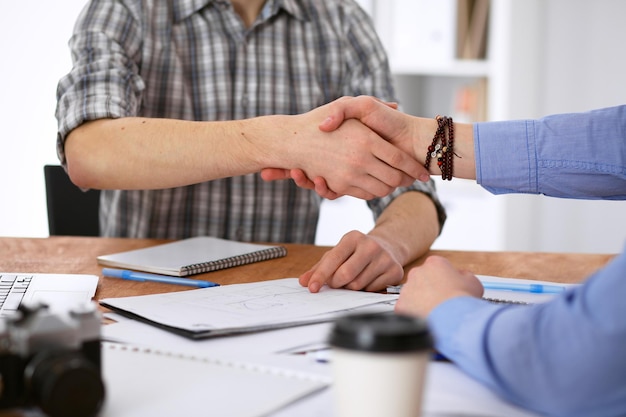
{"x":434,"y":282}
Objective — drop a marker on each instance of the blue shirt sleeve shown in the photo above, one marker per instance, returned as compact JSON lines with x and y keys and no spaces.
{"x":576,"y":155}
{"x":566,"y":357}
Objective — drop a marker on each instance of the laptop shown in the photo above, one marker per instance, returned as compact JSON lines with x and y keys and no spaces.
{"x":58,"y":291}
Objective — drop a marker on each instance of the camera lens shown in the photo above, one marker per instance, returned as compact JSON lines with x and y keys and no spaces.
{"x":65,"y":384}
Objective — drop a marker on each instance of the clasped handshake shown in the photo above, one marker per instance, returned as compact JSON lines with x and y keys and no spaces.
{"x":357,"y":146}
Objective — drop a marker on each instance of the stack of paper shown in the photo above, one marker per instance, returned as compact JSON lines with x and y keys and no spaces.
{"x":242,"y":308}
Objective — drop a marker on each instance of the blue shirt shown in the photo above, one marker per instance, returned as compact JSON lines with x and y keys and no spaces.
{"x":566,"y":357}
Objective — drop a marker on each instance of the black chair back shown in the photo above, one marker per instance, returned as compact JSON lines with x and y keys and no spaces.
{"x":71,"y":211}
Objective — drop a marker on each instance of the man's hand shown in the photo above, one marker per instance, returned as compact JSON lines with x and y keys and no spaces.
{"x":372,"y":166}
{"x":299,"y":177}
{"x":382,"y":118}
{"x":358,"y":262}
{"x":433,"y":283}
{"x":353,"y":159}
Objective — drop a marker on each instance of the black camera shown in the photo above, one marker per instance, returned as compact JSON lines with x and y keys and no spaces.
{"x":51,"y":360}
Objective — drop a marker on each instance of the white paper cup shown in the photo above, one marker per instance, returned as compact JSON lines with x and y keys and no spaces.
{"x":379,"y":365}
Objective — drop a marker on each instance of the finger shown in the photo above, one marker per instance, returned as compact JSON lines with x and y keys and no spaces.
{"x":404,"y":166}
{"x":370,"y":185}
{"x":336,"y":116}
{"x":409,"y":300}
{"x":346,"y":108}
{"x":361,"y":193}
{"x":332,"y":122}
{"x":318,"y":184}
{"x":301,"y":179}
{"x":274,"y":174}
{"x":306,"y":277}
{"x":382,"y":281}
{"x":365,"y":280}
{"x":380,"y":169}
{"x":352,"y":108}
{"x":326,"y":268}
{"x":377,"y":270}
{"x":368,"y":188}
{"x":474,"y":286}
{"x":366,"y":261}
{"x":352,"y":274}
{"x":322,"y":189}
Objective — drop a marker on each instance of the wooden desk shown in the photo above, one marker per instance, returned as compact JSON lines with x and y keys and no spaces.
{"x":78,"y":255}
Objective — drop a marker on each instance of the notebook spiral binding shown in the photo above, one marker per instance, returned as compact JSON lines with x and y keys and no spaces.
{"x":262,"y":255}
{"x":500,"y":301}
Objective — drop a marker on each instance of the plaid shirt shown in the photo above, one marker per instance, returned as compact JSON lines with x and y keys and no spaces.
{"x":195,"y":60}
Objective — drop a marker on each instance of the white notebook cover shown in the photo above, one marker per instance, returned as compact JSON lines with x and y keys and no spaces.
{"x":192,"y":256}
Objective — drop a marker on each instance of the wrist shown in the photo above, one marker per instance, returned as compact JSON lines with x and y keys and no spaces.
{"x":258,"y":135}
{"x":426,"y":128}
{"x":446,"y":148}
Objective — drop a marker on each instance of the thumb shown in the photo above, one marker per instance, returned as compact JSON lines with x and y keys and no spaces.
{"x":332,"y":122}
{"x":352,"y":108}
{"x":275,"y":174}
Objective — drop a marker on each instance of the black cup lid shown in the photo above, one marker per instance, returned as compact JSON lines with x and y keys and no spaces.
{"x":381,"y":333}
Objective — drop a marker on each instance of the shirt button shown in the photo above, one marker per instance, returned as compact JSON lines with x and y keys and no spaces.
{"x":244,"y":101}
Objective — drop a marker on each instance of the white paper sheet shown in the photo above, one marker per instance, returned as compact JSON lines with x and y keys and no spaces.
{"x":448,"y":393}
{"x":289,"y":340}
{"x":245,"y":307}
{"x":144,"y":382}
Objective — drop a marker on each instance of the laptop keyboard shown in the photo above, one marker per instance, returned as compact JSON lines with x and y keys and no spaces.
{"x":12,"y":290}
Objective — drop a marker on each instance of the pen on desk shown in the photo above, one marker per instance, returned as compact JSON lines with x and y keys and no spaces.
{"x":532,"y":288}
{"x":507,"y":286}
{"x":142,"y":276}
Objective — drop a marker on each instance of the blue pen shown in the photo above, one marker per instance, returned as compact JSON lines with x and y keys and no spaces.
{"x":532,"y":288}
{"x":511,"y":286}
{"x":142,"y":276}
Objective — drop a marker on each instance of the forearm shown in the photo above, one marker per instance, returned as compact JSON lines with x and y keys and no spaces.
{"x":143,"y":153}
{"x":147,"y":153}
{"x":409,"y":225}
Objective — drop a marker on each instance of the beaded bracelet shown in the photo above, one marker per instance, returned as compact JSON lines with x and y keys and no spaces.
{"x":442,"y":147}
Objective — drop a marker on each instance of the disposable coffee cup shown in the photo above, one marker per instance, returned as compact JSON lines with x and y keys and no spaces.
{"x":379,"y":365}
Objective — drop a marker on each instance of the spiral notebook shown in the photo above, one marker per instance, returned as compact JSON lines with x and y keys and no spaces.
{"x":194,"y":255}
